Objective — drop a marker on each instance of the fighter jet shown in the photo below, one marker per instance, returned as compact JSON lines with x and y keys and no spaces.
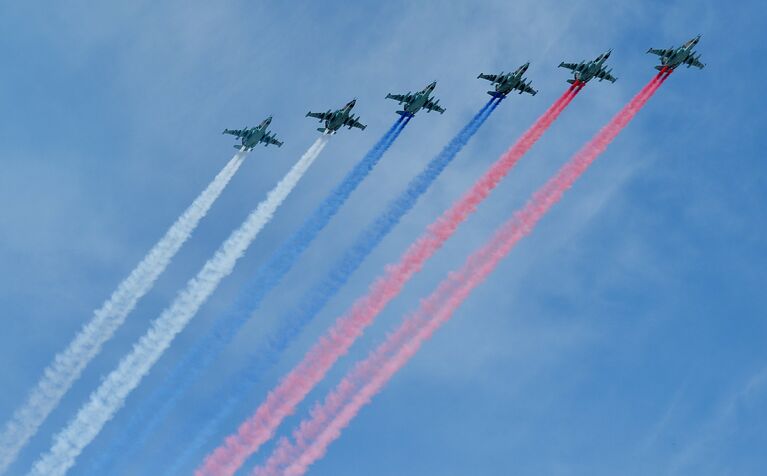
{"x":673,"y":57}
{"x":508,"y":82}
{"x":250,"y":138}
{"x":584,"y":71}
{"x":334,"y":120}
{"x":415,"y":101}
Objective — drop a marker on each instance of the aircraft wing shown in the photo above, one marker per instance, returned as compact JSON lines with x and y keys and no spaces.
{"x":490,"y":77}
{"x":353,"y":122}
{"x":660,"y":52}
{"x":433,"y":106}
{"x":400,"y":97}
{"x":270,"y":139}
{"x":322,"y":116}
{"x":235,"y":132}
{"x":526,"y":88}
{"x":693,"y":61}
{"x":572,"y":66}
{"x":603,"y":74}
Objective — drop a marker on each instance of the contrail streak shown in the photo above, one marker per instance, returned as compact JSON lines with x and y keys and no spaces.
{"x":67,"y":366}
{"x":111,"y":394}
{"x":313,"y":301}
{"x":282,"y":400}
{"x":327,"y":420}
{"x":149,"y":413}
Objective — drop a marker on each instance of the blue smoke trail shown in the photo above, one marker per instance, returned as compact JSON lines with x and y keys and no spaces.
{"x":152,"y":411}
{"x":315,"y":300}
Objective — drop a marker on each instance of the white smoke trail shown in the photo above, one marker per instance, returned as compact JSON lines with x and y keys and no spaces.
{"x":69,"y":364}
{"x":111,"y":394}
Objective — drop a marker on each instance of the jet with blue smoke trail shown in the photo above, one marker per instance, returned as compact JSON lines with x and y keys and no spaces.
{"x":505,"y":83}
{"x":414,"y":102}
{"x":146,"y":416}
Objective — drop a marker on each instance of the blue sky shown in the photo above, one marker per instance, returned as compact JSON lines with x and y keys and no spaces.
{"x":625,"y":336}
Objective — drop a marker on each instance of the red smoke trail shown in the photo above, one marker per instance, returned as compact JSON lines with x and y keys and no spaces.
{"x":326,"y":422}
{"x":282,"y":400}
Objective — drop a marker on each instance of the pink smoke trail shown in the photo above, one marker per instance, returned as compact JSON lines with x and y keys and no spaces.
{"x":281,"y":401}
{"x":326,"y":421}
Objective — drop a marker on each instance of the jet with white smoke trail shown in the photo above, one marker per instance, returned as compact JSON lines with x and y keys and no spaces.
{"x":114,"y":389}
{"x":67,"y":366}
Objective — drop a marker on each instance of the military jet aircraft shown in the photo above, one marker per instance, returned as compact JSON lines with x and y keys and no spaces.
{"x":252,"y":137}
{"x":584,"y":71}
{"x":414,"y":102}
{"x":673,"y":57}
{"x":508,"y":82}
{"x":334,"y":120}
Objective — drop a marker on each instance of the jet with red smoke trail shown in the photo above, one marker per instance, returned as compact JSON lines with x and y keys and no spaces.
{"x":414,"y":102}
{"x":673,"y":57}
{"x":505,"y":83}
{"x":586,"y":70}
{"x":334,"y":120}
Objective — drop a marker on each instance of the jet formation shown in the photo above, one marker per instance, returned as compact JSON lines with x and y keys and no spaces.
{"x":674,"y":57}
{"x":586,"y":70}
{"x":336,"y":119}
{"x":508,"y":82}
{"x":503,"y":85}
{"x":250,"y":138}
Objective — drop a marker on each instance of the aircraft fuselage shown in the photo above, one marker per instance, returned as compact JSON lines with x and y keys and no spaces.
{"x":419,"y":100}
{"x":509,"y":83}
{"x":254,"y":136}
{"x":677,"y":58}
{"x":589,"y":71}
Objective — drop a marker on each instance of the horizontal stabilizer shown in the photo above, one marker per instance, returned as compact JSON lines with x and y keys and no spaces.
{"x":571,"y":81}
{"x":404,"y":114}
{"x":659,"y":67}
{"x":321,"y":129}
{"x":495,"y":94}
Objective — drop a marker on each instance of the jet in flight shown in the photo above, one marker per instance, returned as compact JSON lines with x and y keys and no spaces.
{"x":673,"y":57}
{"x":334,"y":120}
{"x":584,"y":71}
{"x":507,"y":82}
{"x":414,"y":102}
{"x":250,"y":138}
